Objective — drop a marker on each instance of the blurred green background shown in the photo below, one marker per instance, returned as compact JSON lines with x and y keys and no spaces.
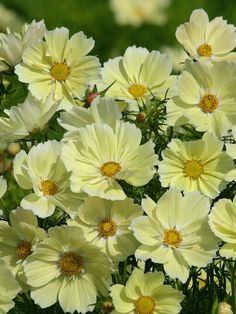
{"x":96,"y":19}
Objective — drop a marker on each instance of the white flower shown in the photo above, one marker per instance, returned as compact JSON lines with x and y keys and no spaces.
{"x":108,"y":227}
{"x":60,"y":66}
{"x":9,"y":288}
{"x":102,"y":110}
{"x":12,"y":45}
{"x":137,"y":12}
{"x":26,"y":118}
{"x":145,"y":294}
{"x":195,"y":166}
{"x":43,"y":171}
{"x":102,"y":155}
{"x":206,"y":97}
{"x":3,"y":186}
{"x":67,"y":269}
{"x":207,"y":41}
{"x":175,"y":233}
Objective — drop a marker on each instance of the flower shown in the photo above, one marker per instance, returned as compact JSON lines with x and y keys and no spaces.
{"x":224,"y":308}
{"x":9,"y":288}
{"x":177,"y":56}
{"x":18,"y":240}
{"x":175,"y":233}
{"x":60,"y":66}
{"x":222,"y":221}
{"x":106,"y":224}
{"x":145,"y":294}
{"x":103,"y":110}
{"x":67,"y":269}
{"x":43,"y":171}
{"x":137,"y":12}
{"x":206,"y":97}
{"x":12,"y":45}
{"x":207,"y":41}
{"x":102,"y":155}
{"x":195,"y":166}
{"x":137,"y":76}
{"x":26,"y":118}
{"x":3,"y":186}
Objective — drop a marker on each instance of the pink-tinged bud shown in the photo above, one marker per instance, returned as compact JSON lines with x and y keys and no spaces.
{"x":141,"y":117}
{"x":224,"y":308}
{"x":90,"y":97}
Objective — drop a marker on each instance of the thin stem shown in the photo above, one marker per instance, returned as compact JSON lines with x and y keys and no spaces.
{"x":232,"y":277}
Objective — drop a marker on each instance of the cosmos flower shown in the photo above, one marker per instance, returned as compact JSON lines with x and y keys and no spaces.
{"x":59,"y":66}
{"x":207,"y":40}
{"x":178,"y":236}
{"x":67,"y":269}
{"x":145,"y":294}
{"x":102,"y":155}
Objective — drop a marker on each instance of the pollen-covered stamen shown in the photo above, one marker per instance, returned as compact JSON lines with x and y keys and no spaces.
{"x":193,"y":169}
{"x":208,"y":103}
{"x":23,"y":249}
{"x":137,"y":90}
{"x":71,"y":264}
{"x":172,"y":238}
{"x":204,"y":50}
{"x":107,"y":228}
{"x":48,"y":187}
{"x":60,"y":71}
{"x":144,"y":305}
{"x":110,"y":168}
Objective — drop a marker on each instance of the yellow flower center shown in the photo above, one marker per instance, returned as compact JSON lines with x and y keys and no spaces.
{"x":107,"y":228}
{"x":60,"y":71}
{"x":144,"y":305}
{"x":71,"y":264}
{"x":23,"y":249}
{"x":48,"y":187}
{"x":205,"y":50}
{"x":110,"y":168}
{"x":137,"y":90}
{"x":193,"y":169}
{"x":172,"y":237}
{"x":208,"y":103}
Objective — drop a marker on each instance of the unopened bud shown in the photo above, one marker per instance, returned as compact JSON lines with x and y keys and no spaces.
{"x":13,"y":148}
{"x":107,"y":307}
{"x":90,"y":97}
{"x":224,"y":308}
{"x":141,"y":116}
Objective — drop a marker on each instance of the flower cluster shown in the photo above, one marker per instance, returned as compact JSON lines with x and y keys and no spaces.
{"x":126,"y":170}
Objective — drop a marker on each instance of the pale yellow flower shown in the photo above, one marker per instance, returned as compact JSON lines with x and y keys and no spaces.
{"x":206,"y":98}
{"x":9,"y":288}
{"x":59,"y":66}
{"x":195,"y":166}
{"x":67,"y":269}
{"x":138,"y":12}
{"x":145,"y":294}
{"x":12,"y":45}
{"x":108,"y":227}
{"x":43,"y":171}
{"x":103,"y":155}
{"x":176,"y":233}
{"x":18,"y":240}
{"x":207,"y":40}
{"x":222,"y":220}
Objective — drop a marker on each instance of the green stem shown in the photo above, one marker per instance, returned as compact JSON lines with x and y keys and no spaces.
{"x":232,"y":277}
